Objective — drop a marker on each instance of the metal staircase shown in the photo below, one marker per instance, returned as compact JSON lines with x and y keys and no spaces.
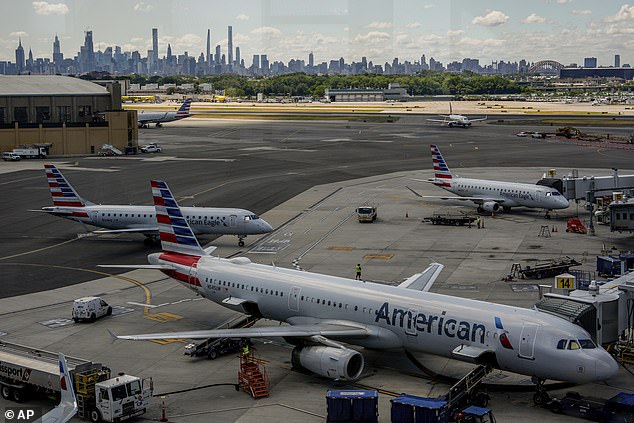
{"x":252,"y":376}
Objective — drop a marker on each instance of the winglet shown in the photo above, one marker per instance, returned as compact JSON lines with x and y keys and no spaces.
{"x":423,"y":281}
{"x":113,"y":336}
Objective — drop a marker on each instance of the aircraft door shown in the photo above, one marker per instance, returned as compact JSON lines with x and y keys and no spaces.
{"x":527,"y":341}
{"x":232,"y":220}
{"x":293,"y":298}
{"x":193,"y":275}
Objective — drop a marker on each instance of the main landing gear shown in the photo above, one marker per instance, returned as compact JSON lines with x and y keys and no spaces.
{"x":547,"y":215}
{"x":241,"y":240}
{"x":540,"y":397}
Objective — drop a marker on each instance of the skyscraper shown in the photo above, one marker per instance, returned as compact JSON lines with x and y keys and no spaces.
{"x":208,"y":57}
{"x":153,"y":56}
{"x":217,"y":55}
{"x":617,"y":60}
{"x":256,"y":61}
{"x":230,"y":44}
{"x":311,"y":59}
{"x":264,"y":63}
{"x":58,"y":56}
{"x":590,"y":62}
{"x":19,"y":56}
{"x":29,"y":61}
{"x":237,"y":56}
{"x":87,"y":61}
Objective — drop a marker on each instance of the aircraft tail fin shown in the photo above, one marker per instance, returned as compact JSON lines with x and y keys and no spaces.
{"x":62,"y":191}
{"x":65,"y":382}
{"x":176,"y":234}
{"x":441,"y":170}
{"x":450,"y":111}
{"x":183,"y":111}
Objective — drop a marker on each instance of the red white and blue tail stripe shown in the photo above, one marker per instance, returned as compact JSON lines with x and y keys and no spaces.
{"x":184,"y":109}
{"x":441,"y":170}
{"x":64,"y":195}
{"x":176,"y":235}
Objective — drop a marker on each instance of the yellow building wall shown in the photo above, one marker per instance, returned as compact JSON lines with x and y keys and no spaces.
{"x":122,"y":130}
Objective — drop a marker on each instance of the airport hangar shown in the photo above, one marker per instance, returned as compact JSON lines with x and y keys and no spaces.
{"x":67,"y":115}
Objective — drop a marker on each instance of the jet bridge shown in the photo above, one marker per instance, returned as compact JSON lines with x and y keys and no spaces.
{"x":575,"y":187}
{"x":606,"y":312}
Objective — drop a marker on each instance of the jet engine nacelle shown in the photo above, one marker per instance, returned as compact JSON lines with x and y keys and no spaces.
{"x":333,"y":363}
{"x":490,"y":206}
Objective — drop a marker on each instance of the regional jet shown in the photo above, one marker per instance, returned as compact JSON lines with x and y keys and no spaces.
{"x":67,"y":406}
{"x":146,"y":117}
{"x":325,"y":314}
{"x":491,"y":195}
{"x":452,"y":119}
{"x":140,"y":219}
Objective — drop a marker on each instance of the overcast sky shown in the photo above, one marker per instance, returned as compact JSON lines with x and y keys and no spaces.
{"x":562,"y":30}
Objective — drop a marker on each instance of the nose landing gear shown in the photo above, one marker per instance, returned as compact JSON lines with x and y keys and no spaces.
{"x":540,"y":397}
{"x":241,"y":240}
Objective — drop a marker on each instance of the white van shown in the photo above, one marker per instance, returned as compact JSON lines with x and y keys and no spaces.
{"x":10,"y":156}
{"x":90,"y":309}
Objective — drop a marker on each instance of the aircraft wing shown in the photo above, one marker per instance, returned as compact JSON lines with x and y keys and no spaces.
{"x":477,"y":200}
{"x":144,"y":229}
{"x":323,"y":329}
{"x":423,"y":281}
{"x":439,"y":120}
{"x":478,"y":119}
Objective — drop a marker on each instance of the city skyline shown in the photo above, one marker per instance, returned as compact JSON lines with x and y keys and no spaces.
{"x":561,"y":30}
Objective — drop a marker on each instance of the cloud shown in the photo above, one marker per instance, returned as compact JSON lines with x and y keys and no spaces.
{"x":413,"y":25}
{"x":19,"y":34}
{"x":429,"y":6}
{"x":564,"y":1}
{"x":626,"y":13}
{"x":267,"y":31}
{"x":453,"y":33}
{"x":142,"y":7}
{"x":242,"y":17}
{"x":372,"y":37}
{"x":533,"y":18}
{"x":493,"y":18}
{"x":44,"y":8}
{"x":380,"y":25}
{"x":582,"y":12}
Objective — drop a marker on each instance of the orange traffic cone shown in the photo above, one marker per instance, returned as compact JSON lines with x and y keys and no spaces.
{"x":163,"y":415}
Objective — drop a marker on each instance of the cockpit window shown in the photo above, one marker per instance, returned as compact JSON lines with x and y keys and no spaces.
{"x":548,"y":194}
{"x":250,"y":217}
{"x":561,"y":345}
{"x":556,"y":193}
{"x":573,"y":345}
{"x":587,"y":344}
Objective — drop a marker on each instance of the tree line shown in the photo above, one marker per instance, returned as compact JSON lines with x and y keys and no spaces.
{"x":303,"y":85}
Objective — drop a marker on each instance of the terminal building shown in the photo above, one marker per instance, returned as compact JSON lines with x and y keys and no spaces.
{"x":393,"y":92}
{"x":68,"y":115}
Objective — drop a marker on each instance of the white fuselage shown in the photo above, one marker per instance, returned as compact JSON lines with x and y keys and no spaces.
{"x":159,"y":117}
{"x":513,"y":194}
{"x":397,"y":317}
{"x":203,"y":220}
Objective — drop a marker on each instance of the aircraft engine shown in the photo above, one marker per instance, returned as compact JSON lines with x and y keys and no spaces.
{"x":333,"y":363}
{"x":490,"y":206}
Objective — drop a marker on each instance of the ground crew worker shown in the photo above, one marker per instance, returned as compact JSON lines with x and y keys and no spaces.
{"x":358,"y":269}
{"x":245,"y":349}
{"x":478,"y":222}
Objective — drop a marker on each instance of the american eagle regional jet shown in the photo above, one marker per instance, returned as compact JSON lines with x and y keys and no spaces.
{"x":490,"y":196}
{"x":325,"y":314}
{"x":146,"y":117}
{"x":140,"y":219}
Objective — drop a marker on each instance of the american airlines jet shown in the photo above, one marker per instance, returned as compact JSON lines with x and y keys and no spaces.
{"x":140,"y":219}
{"x":145,"y":118}
{"x":491,"y":195}
{"x":67,"y":406}
{"x":452,"y":119}
{"x":325,"y":313}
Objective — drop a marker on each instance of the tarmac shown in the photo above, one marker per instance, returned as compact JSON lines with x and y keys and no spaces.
{"x":317,"y":231}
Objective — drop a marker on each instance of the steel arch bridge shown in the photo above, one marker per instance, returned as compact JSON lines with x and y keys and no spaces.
{"x":546,"y":67}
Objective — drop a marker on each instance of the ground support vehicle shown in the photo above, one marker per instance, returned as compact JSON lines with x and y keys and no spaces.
{"x":90,"y":309}
{"x":151,"y":148}
{"x":546,"y":268}
{"x":366,"y":214}
{"x":473,"y":414}
{"x":450,"y":219}
{"x":215,"y":347}
{"x":11,"y":157}
{"x":31,"y":153}
{"x":466,"y":392}
{"x":574,"y":225}
{"x":619,"y":408}
{"x":27,"y":372}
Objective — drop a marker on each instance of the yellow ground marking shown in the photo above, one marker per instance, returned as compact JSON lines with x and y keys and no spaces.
{"x":378,"y":256}
{"x":169,"y":341}
{"x":395,"y":197}
{"x":340,"y":248}
{"x":163,"y":317}
{"x":148,"y":295}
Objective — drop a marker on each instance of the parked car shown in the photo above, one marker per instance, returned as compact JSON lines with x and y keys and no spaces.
{"x":151,"y":148}
{"x":538,"y":135}
{"x":521,"y":134}
{"x":10,"y":156}
{"x":90,"y":309}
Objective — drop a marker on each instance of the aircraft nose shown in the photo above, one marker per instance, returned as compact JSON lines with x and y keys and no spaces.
{"x":606,"y":366}
{"x":266,"y":227}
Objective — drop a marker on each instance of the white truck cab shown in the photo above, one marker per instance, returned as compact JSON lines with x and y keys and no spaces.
{"x":121,"y":398}
{"x":90,"y":309}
